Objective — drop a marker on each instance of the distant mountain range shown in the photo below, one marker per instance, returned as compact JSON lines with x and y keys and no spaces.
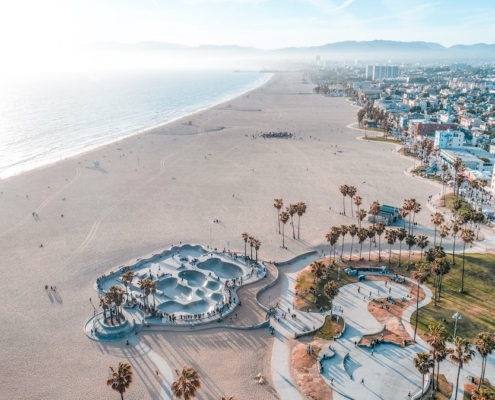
{"x":365,"y":50}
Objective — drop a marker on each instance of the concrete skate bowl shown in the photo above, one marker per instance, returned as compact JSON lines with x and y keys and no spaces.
{"x":193,"y":278}
{"x":189,"y":250}
{"x":171,"y":288}
{"x":194,"y":307}
{"x":222,"y":269}
{"x":213,"y":285}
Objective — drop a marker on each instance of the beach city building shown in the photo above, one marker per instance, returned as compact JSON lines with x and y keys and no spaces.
{"x":445,"y":139}
{"x":377,"y":72}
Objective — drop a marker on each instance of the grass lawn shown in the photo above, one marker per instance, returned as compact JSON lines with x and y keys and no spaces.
{"x":306,"y":280}
{"x":444,"y":390}
{"x":449,"y":203}
{"x":327,"y":331}
{"x":476,"y":305}
{"x":381,"y":139}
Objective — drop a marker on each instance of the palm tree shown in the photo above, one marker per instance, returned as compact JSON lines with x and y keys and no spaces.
{"x":120,"y":378}
{"x":410,"y":241}
{"x":444,"y":168}
{"x":343,"y":231}
{"x":353,"y":230}
{"x":251,"y":240}
{"x":391,"y":237}
{"x":407,"y":209}
{"x":437,"y":220}
{"x":186,"y":384}
{"x":362,"y":236}
{"x":358,"y":200}
{"x":416,"y":209}
{"x":153,"y":286}
{"x":318,"y":269}
{"x":257,"y":245}
{"x":375,"y":210}
{"x":331,"y":290}
{"x":292,"y":210}
{"x":105,"y":306}
{"x":361,"y":214}
{"x":401,"y":235}
{"x":351,"y":192}
{"x":467,"y":237}
{"x":422,"y":242}
{"x":371,"y":234}
{"x":455,"y":230}
{"x":437,"y":269}
{"x":330,"y":237}
{"x":115,"y":296}
{"x":420,"y":275}
{"x":127,"y":278}
{"x":245,"y":236}
{"x":423,"y":363}
{"x":279,"y":203}
{"x":301,"y":210}
{"x":379,"y":229}
{"x":461,"y":354}
{"x":436,"y":339}
{"x":483,"y":394}
{"x":443,"y":233}
{"x":485,"y":344}
{"x":403,"y":214}
{"x":344,"y":190}
{"x":144,"y":285}
{"x":284,"y":218}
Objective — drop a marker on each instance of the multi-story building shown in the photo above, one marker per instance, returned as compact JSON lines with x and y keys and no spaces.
{"x":377,"y":72}
{"x":448,"y":139}
{"x":429,"y":129}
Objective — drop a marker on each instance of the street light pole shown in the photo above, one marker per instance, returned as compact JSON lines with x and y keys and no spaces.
{"x":457,"y":317}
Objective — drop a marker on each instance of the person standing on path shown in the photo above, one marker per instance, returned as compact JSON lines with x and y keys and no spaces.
{"x":362,"y":381}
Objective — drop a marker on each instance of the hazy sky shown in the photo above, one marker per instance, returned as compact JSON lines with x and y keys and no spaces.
{"x":42,"y":24}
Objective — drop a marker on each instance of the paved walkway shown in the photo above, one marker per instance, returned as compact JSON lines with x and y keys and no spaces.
{"x":286,"y":328}
{"x":389,"y":372}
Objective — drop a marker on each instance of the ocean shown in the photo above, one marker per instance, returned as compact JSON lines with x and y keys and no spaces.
{"x":45,"y":119}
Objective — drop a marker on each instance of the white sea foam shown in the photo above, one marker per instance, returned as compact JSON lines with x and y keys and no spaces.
{"x":45,"y":120}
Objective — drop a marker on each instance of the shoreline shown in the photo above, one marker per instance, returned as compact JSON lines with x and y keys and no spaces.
{"x":143,"y":131}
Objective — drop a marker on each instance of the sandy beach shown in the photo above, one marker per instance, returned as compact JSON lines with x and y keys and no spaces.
{"x":167,"y":186}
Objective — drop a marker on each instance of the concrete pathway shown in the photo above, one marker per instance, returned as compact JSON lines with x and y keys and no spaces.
{"x":161,"y":365}
{"x":286,"y":328}
{"x":389,"y":372}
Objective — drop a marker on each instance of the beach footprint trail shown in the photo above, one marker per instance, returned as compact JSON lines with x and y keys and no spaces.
{"x":44,"y":204}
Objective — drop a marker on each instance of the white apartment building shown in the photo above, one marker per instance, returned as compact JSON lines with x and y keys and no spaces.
{"x":449,"y":139}
{"x":377,"y":72}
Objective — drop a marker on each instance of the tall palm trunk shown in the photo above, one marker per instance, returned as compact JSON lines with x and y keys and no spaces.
{"x":417,"y":312}
{"x":343,"y":202}
{"x":360,"y":250}
{"x":298,"y":225}
{"x":245,"y":249}
{"x":453,"y":250}
{"x":400,"y":251}
{"x":283,"y":236}
{"x":352,"y":245}
{"x":369,"y":255}
{"x":462,"y":273}
{"x":293,"y":228}
{"x":342,"y":251}
{"x":278,"y":218}
{"x":435,"y":237}
{"x":390,"y":254}
{"x":457,"y":382}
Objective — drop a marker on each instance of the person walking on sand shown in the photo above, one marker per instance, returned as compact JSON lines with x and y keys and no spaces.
{"x":362,"y":381}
